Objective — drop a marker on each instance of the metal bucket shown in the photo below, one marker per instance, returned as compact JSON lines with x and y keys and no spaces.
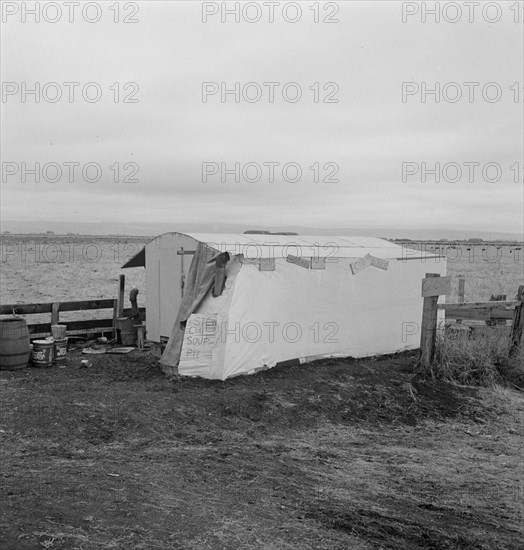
{"x":58,"y":332}
{"x":60,"y":351}
{"x":42,"y":355}
{"x":127,"y":331}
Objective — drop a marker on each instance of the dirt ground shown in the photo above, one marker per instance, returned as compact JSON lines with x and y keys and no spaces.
{"x":338,"y":454}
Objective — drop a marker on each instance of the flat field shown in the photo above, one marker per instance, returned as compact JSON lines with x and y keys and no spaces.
{"x":488,"y":269}
{"x":51,"y":269}
{"x":54,"y":268}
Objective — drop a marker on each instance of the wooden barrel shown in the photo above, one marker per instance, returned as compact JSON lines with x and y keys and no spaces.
{"x":14,"y":344}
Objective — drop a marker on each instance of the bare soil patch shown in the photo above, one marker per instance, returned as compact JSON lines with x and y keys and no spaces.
{"x":333,"y":455}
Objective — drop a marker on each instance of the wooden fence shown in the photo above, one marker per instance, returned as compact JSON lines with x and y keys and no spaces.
{"x":497,"y":309}
{"x":83,"y":326}
{"x":480,"y":311}
{"x":491,"y":312}
{"x":56,"y":308}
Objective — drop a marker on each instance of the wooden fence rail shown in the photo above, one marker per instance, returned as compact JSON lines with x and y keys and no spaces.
{"x":480,"y":311}
{"x":55,"y":308}
{"x":29,"y":309}
{"x":433,"y":286}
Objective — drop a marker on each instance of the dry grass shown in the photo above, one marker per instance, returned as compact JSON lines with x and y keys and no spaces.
{"x":476,"y":356}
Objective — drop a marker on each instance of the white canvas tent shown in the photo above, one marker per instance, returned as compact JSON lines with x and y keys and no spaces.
{"x":285,"y":297}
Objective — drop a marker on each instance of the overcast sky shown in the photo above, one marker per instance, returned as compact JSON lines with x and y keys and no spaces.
{"x":357,"y":144}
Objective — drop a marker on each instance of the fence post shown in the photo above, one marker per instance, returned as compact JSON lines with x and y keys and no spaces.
{"x":517,"y":329}
{"x":461,"y":293}
{"x":115,"y":312}
{"x":120,"y":298}
{"x":55,"y":308}
{"x":428,"y":330}
{"x":494,"y":321}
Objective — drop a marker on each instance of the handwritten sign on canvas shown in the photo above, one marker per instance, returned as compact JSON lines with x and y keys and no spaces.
{"x":199,"y":339}
{"x":366,"y":261}
{"x":359,"y":264}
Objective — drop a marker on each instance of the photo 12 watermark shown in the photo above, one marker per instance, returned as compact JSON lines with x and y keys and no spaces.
{"x":462,"y":92}
{"x":271,"y":249}
{"x":469,"y":172}
{"x":70,"y":12}
{"x":470,"y":252}
{"x":59,"y":252}
{"x":269,"y":172}
{"x":70,"y":172}
{"x":269,"y":92}
{"x":69,"y":92}
{"x":457,"y":12}
{"x":202,"y":330}
{"x":270,"y":12}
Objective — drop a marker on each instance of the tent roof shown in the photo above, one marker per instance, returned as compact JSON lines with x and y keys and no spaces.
{"x":278,"y":246}
{"x":269,"y":246}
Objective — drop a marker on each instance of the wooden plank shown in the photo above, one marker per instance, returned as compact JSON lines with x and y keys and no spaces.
{"x":481,"y":305}
{"x":497,"y":320}
{"x":85,"y":305}
{"x":461,"y":293}
{"x":180,"y":252}
{"x":41,"y":328}
{"x":428,"y":329}
{"x":120,"y":295}
{"x":81,"y":324}
{"x":480,"y":311}
{"x":25,"y":309}
{"x":461,"y":289}
{"x":467,"y":314}
{"x":81,"y":305}
{"x":78,"y":325}
{"x":477,"y":314}
{"x":517,"y":330}
{"x":435,"y":286}
{"x":115,"y":312}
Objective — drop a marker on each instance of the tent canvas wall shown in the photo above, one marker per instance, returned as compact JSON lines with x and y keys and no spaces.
{"x":285,"y":297}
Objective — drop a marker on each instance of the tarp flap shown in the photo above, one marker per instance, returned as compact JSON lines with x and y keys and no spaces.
{"x":200,"y":279}
{"x":138,"y":260}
